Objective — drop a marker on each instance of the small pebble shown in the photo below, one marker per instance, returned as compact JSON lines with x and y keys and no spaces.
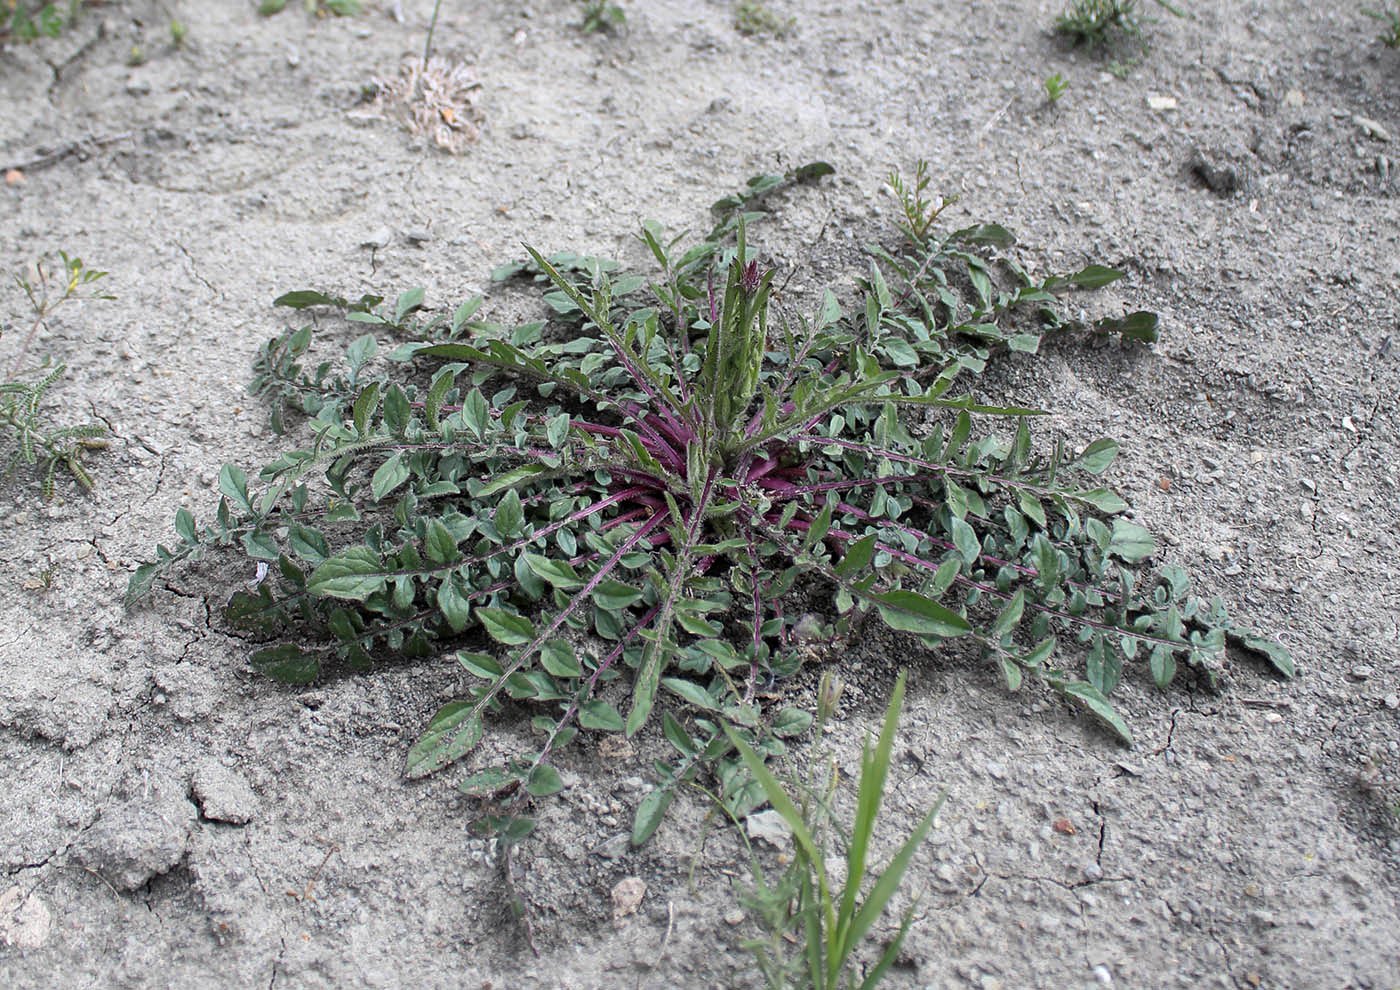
{"x":1371,"y":128}
{"x":379,"y":239}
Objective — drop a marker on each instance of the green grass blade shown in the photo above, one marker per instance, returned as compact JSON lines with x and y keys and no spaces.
{"x":874,"y":772}
{"x":782,"y":803}
{"x":890,"y":879}
{"x":873,"y":978}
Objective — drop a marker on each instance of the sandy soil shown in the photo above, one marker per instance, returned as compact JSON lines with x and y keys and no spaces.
{"x":1249,"y":840}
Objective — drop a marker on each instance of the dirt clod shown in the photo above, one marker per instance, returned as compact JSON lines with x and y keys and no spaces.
{"x":136,"y":840}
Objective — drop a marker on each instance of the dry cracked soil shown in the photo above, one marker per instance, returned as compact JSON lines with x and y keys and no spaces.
{"x":169,"y":819}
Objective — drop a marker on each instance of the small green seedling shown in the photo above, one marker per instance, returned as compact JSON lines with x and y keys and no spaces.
{"x":602,"y":16}
{"x":29,"y":21}
{"x":26,"y":436}
{"x":1390,"y":21}
{"x":754,"y":17}
{"x":814,"y":921}
{"x":320,"y":8}
{"x":1096,"y":23}
{"x":1055,"y":87}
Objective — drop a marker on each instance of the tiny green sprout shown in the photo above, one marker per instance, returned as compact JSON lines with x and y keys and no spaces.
{"x":1096,"y":23}
{"x":30,"y":22}
{"x":317,"y":8}
{"x":179,"y":31}
{"x":602,"y":16}
{"x":137,"y":56}
{"x":26,"y":435}
{"x":1390,"y":23}
{"x":754,"y":17}
{"x":1055,"y":87}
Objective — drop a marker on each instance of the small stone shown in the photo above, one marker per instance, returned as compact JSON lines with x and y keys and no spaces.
{"x":1093,"y":872}
{"x":136,"y":86}
{"x":1362,"y":672}
{"x":997,"y":771}
{"x":1161,"y":103}
{"x":418,"y":235}
{"x":223,"y":796}
{"x":627,"y":896}
{"x":1392,"y":701}
{"x":25,"y":921}
{"x":770,"y":827}
{"x":379,"y":239}
{"x":1294,"y":98}
{"x":1371,"y":128}
{"x":1102,"y":974}
{"x":733,"y":917}
{"x":614,"y":848}
{"x":137,"y":840}
{"x":1220,"y":178}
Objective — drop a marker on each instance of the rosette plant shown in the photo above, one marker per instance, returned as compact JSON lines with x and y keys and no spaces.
{"x":629,"y":500}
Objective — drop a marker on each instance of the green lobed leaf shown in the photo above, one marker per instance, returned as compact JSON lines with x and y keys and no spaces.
{"x":1099,"y":706}
{"x":286,"y":663}
{"x":559,"y":573}
{"x":599,"y":715}
{"x":488,"y":783}
{"x":650,"y":812}
{"x":544,"y":780}
{"x":439,"y":543}
{"x":691,"y":692}
{"x":1096,"y":457}
{"x":857,"y":557}
{"x":557,"y":658}
{"x":233,"y":483}
{"x":304,"y":298}
{"x":354,"y":575}
{"x":1276,"y":653}
{"x":965,"y":539}
{"x":481,"y":665}
{"x":1095,"y":276}
{"x":908,"y":611}
{"x":454,"y":606}
{"x":1131,"y":542}
{"x":452,"y":733}
{"x":407,"y":303}
{"x":506,"y":628}
{"x":509,"y":517}
{"x":791,"y":722}
{"x":389,"y":476}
